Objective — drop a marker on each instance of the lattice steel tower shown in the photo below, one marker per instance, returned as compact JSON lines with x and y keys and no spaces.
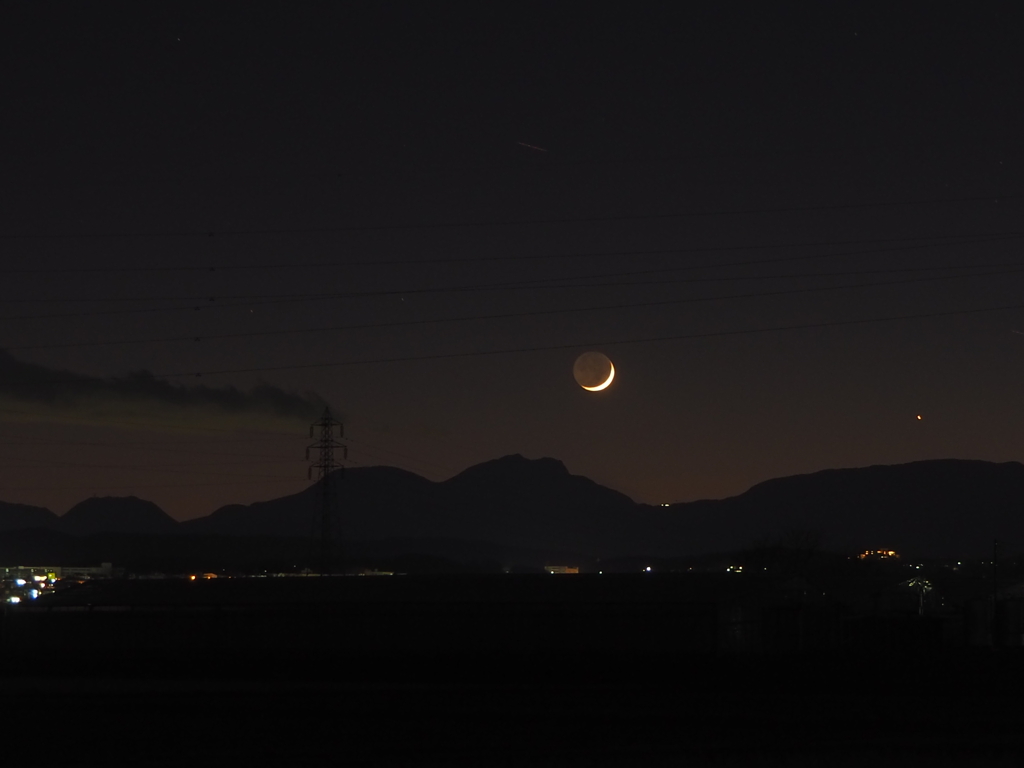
{"x":325,"y":465}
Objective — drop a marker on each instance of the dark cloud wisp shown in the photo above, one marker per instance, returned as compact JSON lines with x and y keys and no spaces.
{"x":37,"y":392}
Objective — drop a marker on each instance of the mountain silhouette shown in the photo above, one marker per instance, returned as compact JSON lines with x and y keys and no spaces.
{"x":14,"y":517}
{"x":522,"y":502}
{"x":945,"y":508}
{"x":512,"y":501}
{"x":374,"y":502}
{"x":116,"y":514}
{"x":939,"y":508}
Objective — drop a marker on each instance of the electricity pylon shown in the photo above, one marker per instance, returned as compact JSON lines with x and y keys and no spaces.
{"x":325,"y":464}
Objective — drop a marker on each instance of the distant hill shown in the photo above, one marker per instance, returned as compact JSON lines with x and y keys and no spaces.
{"x":526,"y":503}
{"x":40,"y":546}
{"x":943,"y":508}
{"x":948,"y":508}
{"x":116,"y":514}
{"x":376,"y":502}
{"x":14,"y":517}
{"x":512,"y":501}
{"x":929,"y":508}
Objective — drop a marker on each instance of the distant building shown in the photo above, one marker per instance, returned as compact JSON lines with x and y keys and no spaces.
{"x":878,"y":554}
{"x":562,"y":568}
{"x":30,"y":572}
{"x":102,"y":571}
{"x":19,"y":583}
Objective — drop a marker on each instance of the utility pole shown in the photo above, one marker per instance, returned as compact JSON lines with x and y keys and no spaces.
{"x":326,"y":446}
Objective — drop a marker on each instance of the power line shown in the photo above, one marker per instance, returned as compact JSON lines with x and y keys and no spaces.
{"x":206,"y":440}
{"x":230,"y":302}
{"x":148,"y":445}
{"x":165,"y":469}
{"x":556,"y":282}
{"x":508,"y":315}
{"x":130,"y":488}
{"x":292,"y":265}
{"x":250,"y":459}
{"x":378,"y":449}
{"x":258,"y":458}
{"x":994,"y":199}
{"x":135,"y":446}
{"x":603,"y":343}
{"x":145,"y":424}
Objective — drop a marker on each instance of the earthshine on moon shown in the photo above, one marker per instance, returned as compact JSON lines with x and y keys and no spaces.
{"x":593,"y":371}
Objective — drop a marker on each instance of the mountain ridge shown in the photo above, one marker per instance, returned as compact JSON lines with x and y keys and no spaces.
{"x":946,"y":507}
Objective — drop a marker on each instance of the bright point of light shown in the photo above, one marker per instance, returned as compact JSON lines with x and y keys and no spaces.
{"x":919,"y":417}
{"x":33,"y":593}
{"x":648,"y":569}
{"x":192,"y":577}
{"x":14,"y":599}
{"x":20,"y":582}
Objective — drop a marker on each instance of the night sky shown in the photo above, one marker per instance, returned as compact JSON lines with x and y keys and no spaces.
{"x":422,"y":216}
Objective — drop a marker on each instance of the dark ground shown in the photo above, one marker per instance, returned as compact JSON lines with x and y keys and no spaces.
{"x":503,"y":671}
{"x":308,"y":708}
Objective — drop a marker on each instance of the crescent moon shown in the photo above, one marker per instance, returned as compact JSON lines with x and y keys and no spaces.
{"x":606,"y":383}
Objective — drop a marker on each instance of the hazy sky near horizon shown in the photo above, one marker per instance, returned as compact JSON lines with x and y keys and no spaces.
{"x":793,"y":229}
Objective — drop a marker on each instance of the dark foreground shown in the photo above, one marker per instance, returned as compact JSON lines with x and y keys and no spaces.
{"x":512,"y":711}
{"x":609,"y":678}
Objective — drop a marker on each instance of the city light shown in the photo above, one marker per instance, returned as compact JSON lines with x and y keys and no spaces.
{"x":548,"y":568}
{"x":877,"y":554}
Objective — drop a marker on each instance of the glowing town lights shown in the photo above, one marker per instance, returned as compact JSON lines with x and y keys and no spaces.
{"x":647,"y":569}
{"x":20,"y":582}
{"x":878,"y":554}
{"x":548,"y":568}
{"x":13,"y":599}
{"x":192,"y":577}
